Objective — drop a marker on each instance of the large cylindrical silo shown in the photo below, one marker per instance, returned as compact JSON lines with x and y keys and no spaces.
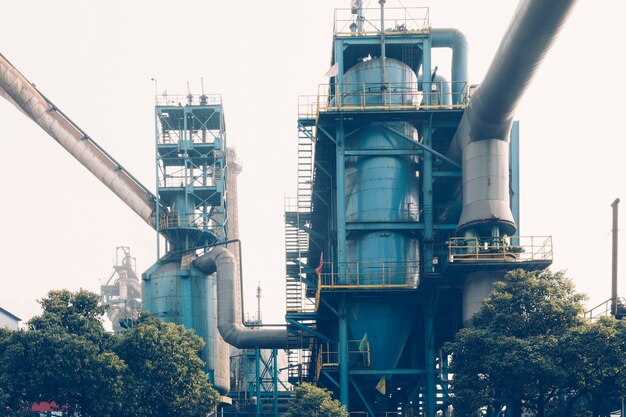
{"x":381,"y":188}
{"x":188,"y":297}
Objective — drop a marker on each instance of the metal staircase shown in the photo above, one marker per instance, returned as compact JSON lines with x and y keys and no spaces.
{"x":306,"y":140}
{"x":297,"y":241}
{"x":296,"y":252}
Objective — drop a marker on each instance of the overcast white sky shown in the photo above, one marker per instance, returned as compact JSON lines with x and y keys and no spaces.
{"x":95,"y":59}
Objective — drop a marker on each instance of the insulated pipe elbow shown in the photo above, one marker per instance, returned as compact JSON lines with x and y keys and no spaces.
{"x":531,"y":33}
{"x":455,"y":40}
{"x":481,"y":140}
{"x":222,"y":262}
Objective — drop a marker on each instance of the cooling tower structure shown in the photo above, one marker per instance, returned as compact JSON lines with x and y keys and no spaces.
{"x":408,"y":201}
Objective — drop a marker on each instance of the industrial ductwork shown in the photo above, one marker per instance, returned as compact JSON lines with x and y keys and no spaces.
{"x":21,"y":93}
{"x":490,"y":112}
{"x":455,"y":40}
{"x":222,"y":262}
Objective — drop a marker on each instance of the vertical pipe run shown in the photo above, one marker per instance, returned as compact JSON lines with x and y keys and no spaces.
{"x":614,"y":231}
{"x":185,"y":283}
{"x":157,"y":221}
{"x":343,"y":354}
{"x":341,"y":203}
{"x":382,"y":43}
{"x":257,"y":362}
{"x":429,"y":358}
{"x":427,"y":190}
{"x":275,"y":381}
{"x":514,"y":174}
{"x":427,"y":163}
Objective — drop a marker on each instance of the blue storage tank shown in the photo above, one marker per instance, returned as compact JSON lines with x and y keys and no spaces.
{"x":188,"y":297}
{"x":381,"y":189}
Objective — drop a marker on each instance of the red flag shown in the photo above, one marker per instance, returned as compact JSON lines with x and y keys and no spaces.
{"x":319,"y":268}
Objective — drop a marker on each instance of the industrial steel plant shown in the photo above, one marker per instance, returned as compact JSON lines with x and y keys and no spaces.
{"x":406,"y":214}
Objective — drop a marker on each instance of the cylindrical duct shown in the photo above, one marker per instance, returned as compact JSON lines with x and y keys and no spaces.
{"x":490,"y":112}
{"x":531,"y":33}
{"x":20,"y":92}
{"x":477,"y":286}
{"x":221,"y":261}
{"x":233,"y":169}
{"x":486,"y":187}
{"x":454,"y":39}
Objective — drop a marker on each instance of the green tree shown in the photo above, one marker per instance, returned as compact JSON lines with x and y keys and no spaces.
{"x":66,"y":357}
{"x":79,"y":313}
{"x":596,"y":367}
{"x":5,"y":342}
{"x":64,"y":368}
{"x":513,"y":353}
{"x":165,"y":375}
{"x":312,"y":401}
{"x":62,"y":359}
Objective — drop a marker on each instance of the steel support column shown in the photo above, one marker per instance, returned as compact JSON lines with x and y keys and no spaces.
{"x":514,"y":178}
{"x":257,"y":357}
{"x":275,"y":381}
{"x":427,"y":164}
{"x":430,"y":392}
{"x":343,"y":354}
{"x":341,"y":203}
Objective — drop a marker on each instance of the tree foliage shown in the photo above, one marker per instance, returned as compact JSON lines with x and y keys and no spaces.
{"x":312,"y":401}
{"x":66,"y":357}
{"x":165,"y":370}
{"x":530,"y":348}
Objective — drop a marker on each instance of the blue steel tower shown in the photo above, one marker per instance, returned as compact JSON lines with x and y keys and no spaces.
{"x":396,"y":235}
{"x":191,"y":161}
{"x":191,"y":213}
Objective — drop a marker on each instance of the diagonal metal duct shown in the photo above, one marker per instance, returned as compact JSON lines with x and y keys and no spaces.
{"x":481,"y":140}
{"x":21,"y":93}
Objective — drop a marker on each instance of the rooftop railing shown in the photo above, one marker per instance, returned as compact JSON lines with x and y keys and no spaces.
{"x":398,"y":20}
{"x":376,"y":96}
{"x":500,"y":249}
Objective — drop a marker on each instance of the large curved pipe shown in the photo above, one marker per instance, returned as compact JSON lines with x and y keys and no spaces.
{"x":222,"y":261}
{"x":455,"y":40}
{"x":22,"y":94}
{"x":531,"y":33}
{"x":481,"y":140}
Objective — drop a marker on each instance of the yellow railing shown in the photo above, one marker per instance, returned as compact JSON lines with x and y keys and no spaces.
{"x":369,"y":275}
{"x":391,"y":96}
{"x":398,"y":20}
{"x":358,"y":354}
{"x":500,"y":249}
{"x":176,"y":219}
{"x":306,"y":304}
